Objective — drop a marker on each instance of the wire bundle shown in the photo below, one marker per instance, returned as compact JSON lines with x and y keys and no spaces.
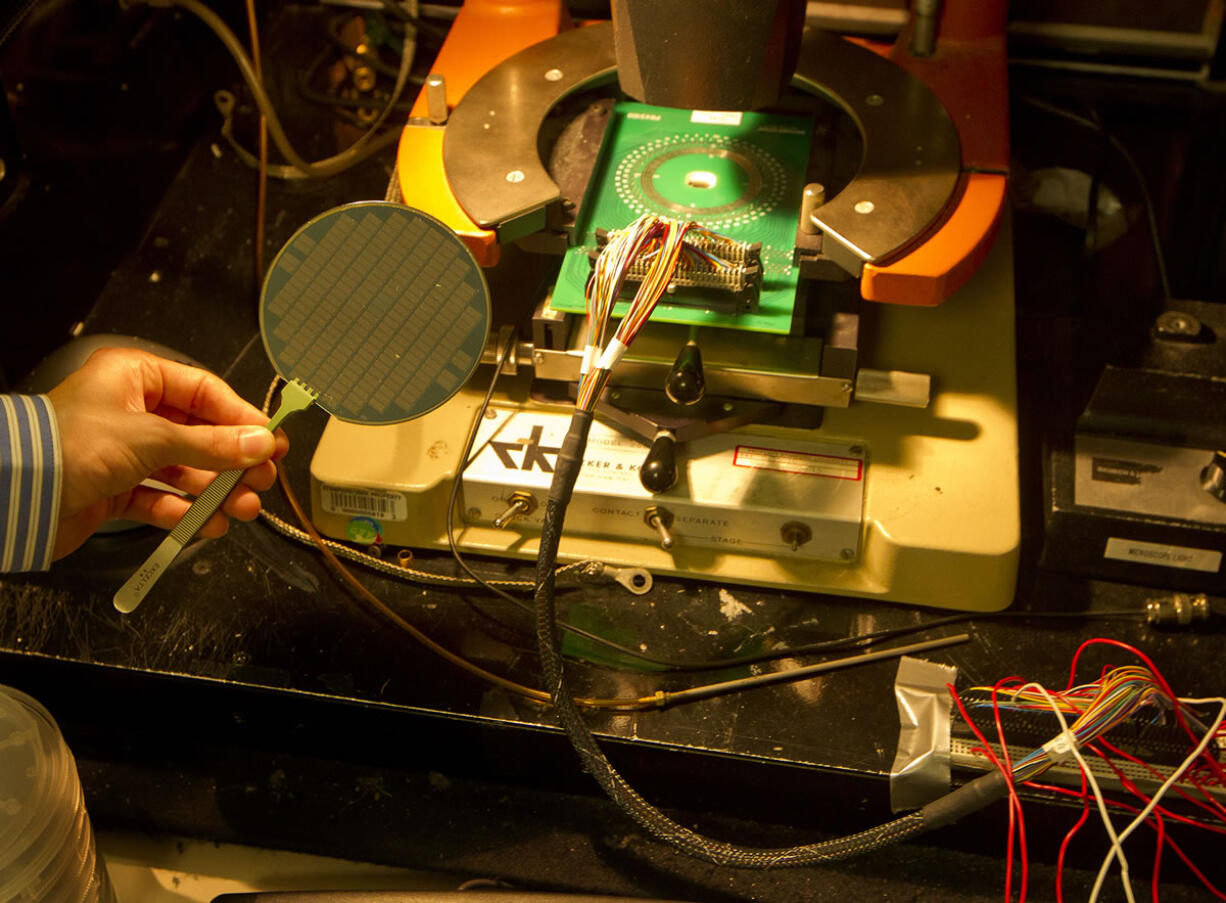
{"x":1096,"y":707}
{"x":655,"y":240}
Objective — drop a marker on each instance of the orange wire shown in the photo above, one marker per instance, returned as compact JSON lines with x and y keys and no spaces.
{"x":339,"y":568}
{"x":1177,"y":706}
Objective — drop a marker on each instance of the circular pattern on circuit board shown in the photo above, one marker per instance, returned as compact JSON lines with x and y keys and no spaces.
{"x":716,"y":180}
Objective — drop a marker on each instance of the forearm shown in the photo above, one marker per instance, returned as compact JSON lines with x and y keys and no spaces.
{"x":30,"y":477}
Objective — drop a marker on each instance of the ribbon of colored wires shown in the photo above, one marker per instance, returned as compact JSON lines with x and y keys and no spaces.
{"x":656,"y":239}
{"x":1212,"y":764}
{"x":1087,"y":775}
{"x":1099,"y":707}
{"x":1118,"y":695}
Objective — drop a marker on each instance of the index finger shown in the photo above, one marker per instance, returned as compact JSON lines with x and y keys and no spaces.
{"x":197,"y":393}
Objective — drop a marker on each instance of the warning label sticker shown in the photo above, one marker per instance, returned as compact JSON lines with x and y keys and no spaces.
{"x":833,"y":467}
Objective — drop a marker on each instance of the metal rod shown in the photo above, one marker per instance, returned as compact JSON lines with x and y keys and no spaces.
{"x":803,"y":673}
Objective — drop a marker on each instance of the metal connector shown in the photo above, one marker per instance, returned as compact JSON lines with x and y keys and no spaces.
{"x":636,"y":580}
{"x":1177,"y":609}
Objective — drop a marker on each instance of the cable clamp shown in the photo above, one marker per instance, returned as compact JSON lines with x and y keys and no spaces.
{"x":1060,"y":748}
{"x":612,"y":354}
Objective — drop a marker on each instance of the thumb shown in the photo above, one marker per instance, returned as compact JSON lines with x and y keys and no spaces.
{"x":214,"y":447}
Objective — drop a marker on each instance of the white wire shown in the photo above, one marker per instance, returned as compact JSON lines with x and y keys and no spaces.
{"x":1167,"y":784}
{"x":1116,"y":851}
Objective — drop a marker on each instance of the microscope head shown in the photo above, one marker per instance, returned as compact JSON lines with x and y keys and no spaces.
{"x":708,"y":55}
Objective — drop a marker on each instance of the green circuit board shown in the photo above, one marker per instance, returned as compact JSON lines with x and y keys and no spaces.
{"x":741,"y":174}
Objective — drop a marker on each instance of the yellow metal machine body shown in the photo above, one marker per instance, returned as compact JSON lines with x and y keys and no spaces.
{"x":913,"y":500}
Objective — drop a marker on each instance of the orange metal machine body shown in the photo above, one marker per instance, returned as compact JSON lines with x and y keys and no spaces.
{"x":967,"y":73}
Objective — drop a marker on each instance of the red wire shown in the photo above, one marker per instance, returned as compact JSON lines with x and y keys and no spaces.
{"x":1191,"y":779}
{"x":1158,"y":812}
{"x":1209,"y":885}
{"x":1068,"y":838}
{"x":1215,"y":810}
{"x":1051,"y":788}
{"x":1162,"y":682}
{"x":992,"y":757}
{"x":1014,"y":800}
{"x":1158,"y":847}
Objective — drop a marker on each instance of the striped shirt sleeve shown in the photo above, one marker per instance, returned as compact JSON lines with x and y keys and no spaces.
{"x":30,"y":475}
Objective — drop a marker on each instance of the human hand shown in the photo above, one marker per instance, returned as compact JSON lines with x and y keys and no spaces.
{"x":128,"y":415}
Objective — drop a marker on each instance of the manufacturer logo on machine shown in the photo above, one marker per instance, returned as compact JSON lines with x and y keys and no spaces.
{"x":1117,"y":470}
{"x":534,"y":452}
{"x":365,"y":530}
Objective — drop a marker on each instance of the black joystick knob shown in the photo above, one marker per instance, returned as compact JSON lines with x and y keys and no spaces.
{"x":685,"y":383}
{"x":659,"y":470}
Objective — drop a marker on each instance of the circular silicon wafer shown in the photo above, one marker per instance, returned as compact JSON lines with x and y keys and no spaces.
{"x":374,"y":311}
{"x":377,"y":307}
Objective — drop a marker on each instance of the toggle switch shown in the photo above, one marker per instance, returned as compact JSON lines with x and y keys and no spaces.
{"x":795,"y":534}
{"x":519,"y":504}
{"x":660,"y":520}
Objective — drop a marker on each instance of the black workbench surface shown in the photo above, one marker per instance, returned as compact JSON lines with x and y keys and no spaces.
{"x":253,"y":699}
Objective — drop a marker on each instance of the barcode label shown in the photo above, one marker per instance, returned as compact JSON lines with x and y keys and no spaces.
{"x":389,"y":506}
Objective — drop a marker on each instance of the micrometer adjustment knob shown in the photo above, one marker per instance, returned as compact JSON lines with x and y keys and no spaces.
{"x":686,"y":383}
{"x":659,"y":471}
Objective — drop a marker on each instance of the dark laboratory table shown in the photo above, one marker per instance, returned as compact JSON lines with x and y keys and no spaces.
{"x":252,"y":699}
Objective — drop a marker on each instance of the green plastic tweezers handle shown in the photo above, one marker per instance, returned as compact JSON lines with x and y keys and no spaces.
{"x":295,"y":396}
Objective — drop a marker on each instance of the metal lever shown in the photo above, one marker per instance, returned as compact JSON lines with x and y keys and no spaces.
{"x":686,"y":383}
{"x":660,"y":519}
{"x":659,"y":471}
{"x":519,"y":503}
{"x":295,"y":396}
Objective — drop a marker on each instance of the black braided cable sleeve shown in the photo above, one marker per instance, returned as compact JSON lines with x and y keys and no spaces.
{"x":648,"y":817}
